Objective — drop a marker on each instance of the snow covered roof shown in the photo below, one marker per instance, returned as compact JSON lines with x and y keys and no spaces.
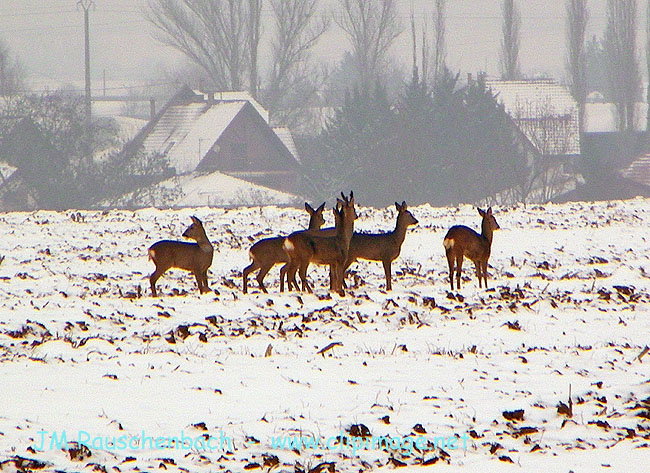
{"x":186,"y":132}
{"x":603,"y":118}
{"x":213,"y":189}
{"x":544,"y":110}
{"x":189,"y":127}
{"x":235,"y":96}
{"x":287,"y":139}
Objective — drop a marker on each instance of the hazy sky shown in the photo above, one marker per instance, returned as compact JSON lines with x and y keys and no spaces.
{"x":47,"y":36}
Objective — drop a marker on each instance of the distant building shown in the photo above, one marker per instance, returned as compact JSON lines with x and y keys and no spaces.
{"x":545,"y":119}
{"x":226,"y":135}
{"x":544,"y":111}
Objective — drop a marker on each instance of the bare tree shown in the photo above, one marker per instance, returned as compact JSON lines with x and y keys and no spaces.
{"x":371,"y":26}
{"x":254,"y":33}
{"x":647,"y":59}
{"x":11,"y":73}
{"x":577,"y":17}
{"x":622,"y":63}
{"x":509,"y":56}
{"x":439,"y":47}
{"x":298,"y":27}
{"x":212,"y":34}
{"x":552,"y":134}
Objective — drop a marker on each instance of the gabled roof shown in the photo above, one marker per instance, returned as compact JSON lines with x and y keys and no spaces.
{"x":185,"y":132}
{"x":287,"y":139}
{"x":192,"y":122}
{"x":545,"y":111}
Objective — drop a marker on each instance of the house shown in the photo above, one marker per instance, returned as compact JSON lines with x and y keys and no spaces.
{"x":545,"y":123}
{"x":226,"y":133}
{"x":545,"y":112}
{"x":616,"y":164}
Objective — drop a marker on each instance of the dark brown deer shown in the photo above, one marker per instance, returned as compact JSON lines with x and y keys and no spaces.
{"x":268,"y":252}
{"x":384,"y":247}
{"x":194,"y":257}
{"x":463,"y":241}
{"x":303,"y":248}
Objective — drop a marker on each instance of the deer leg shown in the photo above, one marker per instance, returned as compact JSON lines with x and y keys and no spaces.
{"x":334,"y":280}
{"x":291,"y":276}
{"x":247,"y":270}
{"x":153,"y":278}
{"x":345,"y":268}
{"x":341,"y":279}
{"x":199,"y":281}
{"x":479,"y":272}
{"x":303,"y":277}
{"x":283,"y":275}
{"x":485,"y":274}
{"x":260,"y":276}
{"x":205,"y":281}
{"x":459,"y":268}
{"x":450,"y":261}
{"x":386,"y":264}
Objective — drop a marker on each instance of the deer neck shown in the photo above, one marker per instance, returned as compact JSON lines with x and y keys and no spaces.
{"x":400,"y":230}
{"x":204,"y":244}
{"x":313,"y":226}
{"x":345,"y":230}
{"x":486,"y":232}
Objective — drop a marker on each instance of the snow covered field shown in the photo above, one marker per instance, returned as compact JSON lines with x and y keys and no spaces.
{"x":86,"y":351}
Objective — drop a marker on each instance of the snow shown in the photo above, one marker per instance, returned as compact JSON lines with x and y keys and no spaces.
{"x":84,"y":348}
{"x":201,"y":189}
{"x":602,"y":117}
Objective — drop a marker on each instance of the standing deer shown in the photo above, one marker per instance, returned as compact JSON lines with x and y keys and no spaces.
{"x":268,"y":252}
{"x":194,"y":257}
{"x":303,"y":248}
{"x":384,"y":247}
{"x":463,"y":241}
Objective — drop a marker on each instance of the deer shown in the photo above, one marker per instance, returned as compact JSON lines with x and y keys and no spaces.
{"x":384,"y":247}
{"x":194,"y":257}
{"x":268,"y":252}
{"x":462,"y":241}
{"x":303,"y":248}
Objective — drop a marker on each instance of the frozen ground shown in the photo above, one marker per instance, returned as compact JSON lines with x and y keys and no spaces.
{"x":85,"y":349}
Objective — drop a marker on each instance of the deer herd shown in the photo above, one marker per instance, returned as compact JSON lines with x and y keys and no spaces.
{"x":338,"y":247}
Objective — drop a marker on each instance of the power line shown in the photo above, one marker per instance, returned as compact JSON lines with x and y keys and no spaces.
{"x":75,"y":26}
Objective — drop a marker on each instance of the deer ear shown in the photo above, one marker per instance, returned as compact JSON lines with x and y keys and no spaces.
{"x":321,"y":208}
{"x":489,"y":211}
{"x":397,"y":206}
{"x":403,"y":205}
{"x":195,"y":220}
{"x":309,"y":208}
{"x":481,"y":212}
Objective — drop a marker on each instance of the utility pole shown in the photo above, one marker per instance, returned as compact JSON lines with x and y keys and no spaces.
{"x":86,"y":5}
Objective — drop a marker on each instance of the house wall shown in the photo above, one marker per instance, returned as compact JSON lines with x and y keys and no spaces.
{"x":250,"y":149}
